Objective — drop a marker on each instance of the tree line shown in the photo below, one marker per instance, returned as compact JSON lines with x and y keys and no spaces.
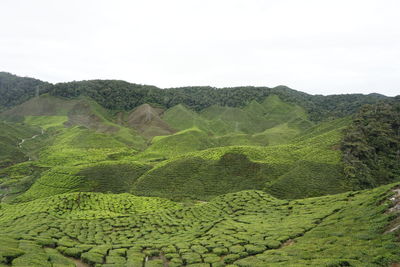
{"x":121,"y":95}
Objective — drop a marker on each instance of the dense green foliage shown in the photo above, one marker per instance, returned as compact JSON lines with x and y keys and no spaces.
{"x":248,"y":228}
{"x":217,"y":151}
{"x":121,"y":95}
{"x":307,"y":166}
{"x":371,"y":145}
{"x":14,"y":90}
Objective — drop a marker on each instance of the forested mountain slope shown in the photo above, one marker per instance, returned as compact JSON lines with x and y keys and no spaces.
{"x":371,"y":145}
{"x":121,"y":95}
{"x":15,"y":90}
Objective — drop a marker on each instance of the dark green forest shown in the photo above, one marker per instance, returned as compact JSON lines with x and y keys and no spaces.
{"x":371,"y":145}
{"x":121,"y":95}
{"x":14,"y":89}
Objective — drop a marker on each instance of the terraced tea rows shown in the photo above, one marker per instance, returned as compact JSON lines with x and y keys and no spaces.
{"x":248,"y":228}
{"x":311,"y":164}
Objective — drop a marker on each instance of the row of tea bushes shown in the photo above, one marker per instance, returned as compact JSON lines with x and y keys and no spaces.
{"x":248,"y":228}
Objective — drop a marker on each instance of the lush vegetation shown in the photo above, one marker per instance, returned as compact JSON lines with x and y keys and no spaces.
{"x":12,"y":137}
{"x":301,"y":168}
{"x":108,"y":173}
{"x":15,"y":90}
{"x":249,"y":228}
{"x":120,"y":95}
{"x":371,"y":145}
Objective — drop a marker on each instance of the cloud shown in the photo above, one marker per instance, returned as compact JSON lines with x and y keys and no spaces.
{"x":320,"y":47}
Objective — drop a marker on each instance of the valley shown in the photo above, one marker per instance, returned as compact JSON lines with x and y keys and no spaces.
{"x":107,"y":173}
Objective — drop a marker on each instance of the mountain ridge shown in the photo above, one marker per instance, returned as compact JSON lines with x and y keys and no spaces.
{"x":121,"y":95}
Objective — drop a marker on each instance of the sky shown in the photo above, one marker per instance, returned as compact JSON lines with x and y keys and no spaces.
{"x":316,"y":46}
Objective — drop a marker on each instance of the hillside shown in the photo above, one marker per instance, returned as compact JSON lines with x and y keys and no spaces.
{"x":121,"y":95}
{"x":108,"y":173}
{"x":194,"y":163}
{"x":12,"y":137}
{"x":249,"y":228}
{"x":270,"y":146}
{"x":300,"y":168}
{"x":147,"y":121}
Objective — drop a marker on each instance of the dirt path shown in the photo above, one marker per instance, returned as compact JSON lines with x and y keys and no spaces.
{"x":30,"y":138}
{"x":79,"y":263}
{"x":395,"y":224}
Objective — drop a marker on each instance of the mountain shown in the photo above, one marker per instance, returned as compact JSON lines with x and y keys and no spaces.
{"x":109,"y":173}
{"x":121,"y":95}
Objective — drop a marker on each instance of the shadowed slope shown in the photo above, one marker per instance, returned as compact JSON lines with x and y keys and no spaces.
{"x":147,"y":121}
{"x":207,"y":173}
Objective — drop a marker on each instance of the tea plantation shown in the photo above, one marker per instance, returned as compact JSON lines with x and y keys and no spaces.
{"x":247,"y":228}
{"x":161,"y":183}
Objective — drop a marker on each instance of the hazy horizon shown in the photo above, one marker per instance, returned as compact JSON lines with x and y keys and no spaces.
{"x":317,"y":47}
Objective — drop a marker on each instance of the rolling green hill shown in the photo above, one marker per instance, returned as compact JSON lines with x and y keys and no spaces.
{"x":281,"y":152}
{"x":253,"y":118}
{"x":108,"y":173}
{"x":303,"y":168}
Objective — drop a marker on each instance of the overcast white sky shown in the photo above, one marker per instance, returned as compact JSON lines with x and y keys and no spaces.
{"x":316,"y":46}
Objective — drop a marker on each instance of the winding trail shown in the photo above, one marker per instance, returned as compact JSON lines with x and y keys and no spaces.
{"x":30,"y":138}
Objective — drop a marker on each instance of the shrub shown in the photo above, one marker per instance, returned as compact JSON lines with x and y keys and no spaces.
{"x":154,"y":263}
{"x":92,"y":257}
{"x":115,"y":260}
{"x":252,"y":249}
{"x":273,"y":244}
{"x":73,"y":252}
{"x":236,"y":249}
{"x":230,"y":258}
{"x":211,"y":258}
{"x":190,"y":258}
{"x":220,"y":251}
